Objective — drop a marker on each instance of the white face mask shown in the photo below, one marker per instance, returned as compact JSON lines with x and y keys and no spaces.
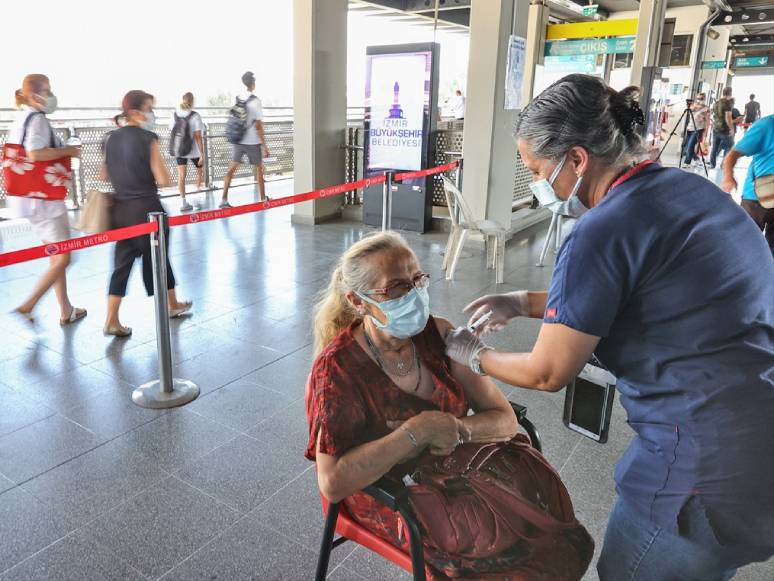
{"x":543,"y":190}
{"x":49,"y":104}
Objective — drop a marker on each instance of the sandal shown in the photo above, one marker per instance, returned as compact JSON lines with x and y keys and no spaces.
{"x":119,"y":331}
{"x":184,"y":307}
{"x":75,"y":315}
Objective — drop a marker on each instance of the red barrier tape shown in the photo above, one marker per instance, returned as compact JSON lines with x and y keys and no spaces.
{"x":76,"y":243}
{"x":276,"y":203}
{"x":66,"y":246}
{"x":426,"y":172}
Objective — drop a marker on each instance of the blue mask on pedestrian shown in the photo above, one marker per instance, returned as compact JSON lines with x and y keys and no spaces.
{"x":406,"y":316}
{"x":150,"y":121}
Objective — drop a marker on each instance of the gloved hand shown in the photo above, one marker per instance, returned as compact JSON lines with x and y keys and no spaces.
{"x":504,"y":307}
{"x":462,"y":345}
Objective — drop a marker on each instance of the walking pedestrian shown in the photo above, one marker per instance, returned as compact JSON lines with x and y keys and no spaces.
{"x":696,"y":127}
{"x":752,"y":111}
{"x":32,"y":130}
{"x":252,"y":142}
{"x":722,"y":126}
{"x":187,"y":144}
{"x":757,"y":143}
{"x":134,"y":166}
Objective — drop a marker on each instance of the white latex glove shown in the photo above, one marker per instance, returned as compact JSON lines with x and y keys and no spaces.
{"x":462,"y":345}
{"x":504,"y":307}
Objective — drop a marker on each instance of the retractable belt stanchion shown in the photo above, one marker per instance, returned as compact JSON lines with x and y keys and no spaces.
{"x":389,"y":176}
{"x":166,"y":391}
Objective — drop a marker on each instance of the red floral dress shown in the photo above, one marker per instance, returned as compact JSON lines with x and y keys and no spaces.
{"x":350,"y":399}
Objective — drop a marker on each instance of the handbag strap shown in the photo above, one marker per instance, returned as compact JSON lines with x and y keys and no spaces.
{"x":26,"y":124}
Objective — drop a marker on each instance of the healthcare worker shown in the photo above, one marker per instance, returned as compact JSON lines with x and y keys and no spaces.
{"x":670,"y":284}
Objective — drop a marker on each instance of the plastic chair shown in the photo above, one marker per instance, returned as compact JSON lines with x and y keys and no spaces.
{"x":494,"y":234}
{"x":394,"y":496}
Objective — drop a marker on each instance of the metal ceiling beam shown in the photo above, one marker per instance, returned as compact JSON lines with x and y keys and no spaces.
{"x":421,"y":6}
{"x":456,"y":18}
{"x":749,"y":17}
{"x":741,"y":41}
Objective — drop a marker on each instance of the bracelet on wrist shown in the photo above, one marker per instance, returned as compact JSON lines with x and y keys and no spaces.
{"x":475,"y":360}
{"x":411,"y":436}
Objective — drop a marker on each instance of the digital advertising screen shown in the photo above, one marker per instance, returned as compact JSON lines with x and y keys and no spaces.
{"x":397,"y":104}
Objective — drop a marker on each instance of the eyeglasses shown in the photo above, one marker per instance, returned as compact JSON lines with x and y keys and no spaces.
{"x":395,"y":291}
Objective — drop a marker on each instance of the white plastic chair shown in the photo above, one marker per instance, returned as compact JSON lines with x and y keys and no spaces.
{"x":554,"y":231}
{"x":462,"y":224}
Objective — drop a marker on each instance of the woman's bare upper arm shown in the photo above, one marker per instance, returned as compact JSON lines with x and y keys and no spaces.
{"x":481,"y":391}
{"x":159,"y":169}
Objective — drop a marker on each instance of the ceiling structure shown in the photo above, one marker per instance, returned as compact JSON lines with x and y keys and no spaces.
{"x":454,"y":15}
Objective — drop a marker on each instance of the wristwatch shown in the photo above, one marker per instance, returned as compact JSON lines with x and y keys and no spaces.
{"x":475,"y":360}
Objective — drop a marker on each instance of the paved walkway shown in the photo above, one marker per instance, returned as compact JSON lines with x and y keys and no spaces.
{"x":94,"y":487}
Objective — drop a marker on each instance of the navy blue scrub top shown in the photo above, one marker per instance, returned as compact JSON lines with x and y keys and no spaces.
{"x":678,"y":282}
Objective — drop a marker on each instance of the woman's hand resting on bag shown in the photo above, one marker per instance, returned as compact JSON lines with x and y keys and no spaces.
{"x":440,"y":432}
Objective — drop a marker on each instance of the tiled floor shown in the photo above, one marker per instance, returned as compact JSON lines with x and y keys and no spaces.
{"x":93,"y":487}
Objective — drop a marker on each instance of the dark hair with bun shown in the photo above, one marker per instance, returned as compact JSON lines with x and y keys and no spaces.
{"x":132,"y":101}
{"x":581,"y":110}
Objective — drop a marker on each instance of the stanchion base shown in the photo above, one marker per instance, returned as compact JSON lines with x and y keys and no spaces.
{"x":149,"y":395}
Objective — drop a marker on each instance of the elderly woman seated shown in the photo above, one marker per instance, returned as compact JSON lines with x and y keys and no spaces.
{"x":382,"y":391}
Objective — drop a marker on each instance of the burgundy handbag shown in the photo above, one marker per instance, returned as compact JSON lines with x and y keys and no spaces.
{"x":499,"y":507}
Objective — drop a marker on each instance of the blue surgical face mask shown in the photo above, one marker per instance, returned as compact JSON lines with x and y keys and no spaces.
{"x":406,"y":316}
{"x":543,"y":190}
{"x":150,"y":121}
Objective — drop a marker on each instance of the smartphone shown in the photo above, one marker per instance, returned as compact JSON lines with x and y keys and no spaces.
{"x":588,"y":403}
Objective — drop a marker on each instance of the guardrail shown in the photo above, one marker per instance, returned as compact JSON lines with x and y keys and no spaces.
{"x":91,"y":124}
{"x":168,"y":391}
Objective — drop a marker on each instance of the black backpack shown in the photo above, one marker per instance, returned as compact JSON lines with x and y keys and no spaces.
{"x":236,"y":126}
{"x":181,"y":140}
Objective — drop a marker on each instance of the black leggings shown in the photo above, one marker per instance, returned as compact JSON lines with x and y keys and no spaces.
{"x":128,"y":213}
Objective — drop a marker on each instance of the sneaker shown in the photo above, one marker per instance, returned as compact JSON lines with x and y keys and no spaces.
{"x":225,"y":204}
{"x":186,"y":207}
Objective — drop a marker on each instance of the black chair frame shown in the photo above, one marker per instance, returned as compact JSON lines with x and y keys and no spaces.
{"x":394,"y":496}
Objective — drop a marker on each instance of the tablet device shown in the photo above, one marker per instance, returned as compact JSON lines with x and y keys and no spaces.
{"x":588,"y":403}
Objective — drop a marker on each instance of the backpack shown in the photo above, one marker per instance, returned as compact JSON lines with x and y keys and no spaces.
{"x":236,"y":126}
{"x":181,"y":140}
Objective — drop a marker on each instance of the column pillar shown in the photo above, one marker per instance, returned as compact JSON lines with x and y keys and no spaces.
{"x":646,"y":47}
{"x":489,"y":148}
{"x":319,"y":104}
{"x":537,"y":21}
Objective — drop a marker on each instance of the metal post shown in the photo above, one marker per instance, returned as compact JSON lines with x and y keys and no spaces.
{"x":165,"y":392}
{"x":76,"y":190}
{"x":207,"y":161}
{"x":387,"y":201}
{"x":458,"y":183}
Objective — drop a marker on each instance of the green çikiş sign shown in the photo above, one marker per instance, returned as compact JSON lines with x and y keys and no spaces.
{"x":713,"y":65}
{"x":580,"y":63}
{"x":590,"y":10}
{"x":616,"y":45}
{"x":751,"y":61}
